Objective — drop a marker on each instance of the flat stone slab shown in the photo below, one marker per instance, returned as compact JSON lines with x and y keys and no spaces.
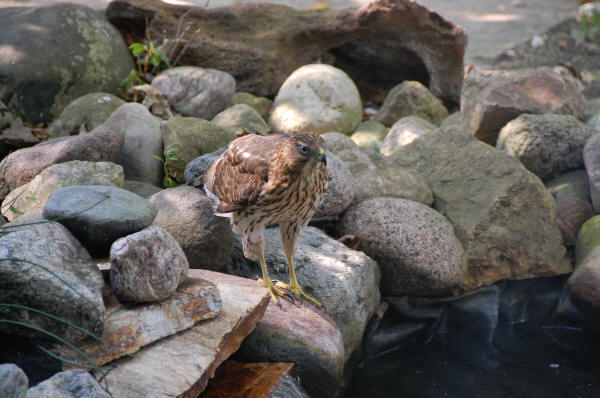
{"x":182,"y":364}
{"x":131,"y":326}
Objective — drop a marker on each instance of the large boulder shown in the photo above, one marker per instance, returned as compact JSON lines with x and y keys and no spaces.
{"x":188,"y":215}
{"x":54,"y":54}
{"x":375,"y":175}
{"x":33,"y":195}
{"x":84,"y":114}
{"x":142,"y":142}
{"x":345,"y":281}
{"x":23,"y":165}
{"x":571,"y":214}
{"x":49,"y":270}
{"x":502,"y":214}
{"x":547,"y":145}
{"x":379,"y":45}
{"x":574,"y":184}
{"x":186,"y":138}
{"x":196,"y":92}
{"x":410,"y":98}
{"x":147,"y":265}
{"x":369,"y":134}
{"x":414,"y":245}
{"x":318,"y":98}
{"x":490,"y":99}
{"x":584,"y":284}
{"x":98,"y":215}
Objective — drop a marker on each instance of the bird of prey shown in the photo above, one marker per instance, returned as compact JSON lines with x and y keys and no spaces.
{"x":266,"y":180}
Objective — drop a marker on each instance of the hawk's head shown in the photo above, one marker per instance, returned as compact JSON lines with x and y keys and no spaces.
{"x":305,"y":147}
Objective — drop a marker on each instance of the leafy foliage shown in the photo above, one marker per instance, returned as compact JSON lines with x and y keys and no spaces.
{"x":168,"y":181}
{"x":148,"y":58}
{"x":590,"y":25}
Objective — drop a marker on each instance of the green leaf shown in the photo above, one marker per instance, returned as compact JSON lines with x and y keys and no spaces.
{"x":137,"y":49}
{"x":168,"y":182}
{"x":154,"y":60}
{"x":163,"y":57}
{"x":15,"y":210}
{"x":30,"y":198}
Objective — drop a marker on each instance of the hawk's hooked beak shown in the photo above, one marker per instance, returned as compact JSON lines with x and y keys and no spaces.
{"x":322,"y":157}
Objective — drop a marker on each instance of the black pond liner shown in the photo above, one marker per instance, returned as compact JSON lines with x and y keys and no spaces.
{"x":514,"y":339}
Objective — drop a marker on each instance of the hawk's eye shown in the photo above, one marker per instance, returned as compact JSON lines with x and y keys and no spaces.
{"x":304,"y":149}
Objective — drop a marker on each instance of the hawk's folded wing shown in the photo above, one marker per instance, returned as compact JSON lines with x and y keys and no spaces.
{"x":238,"y":175}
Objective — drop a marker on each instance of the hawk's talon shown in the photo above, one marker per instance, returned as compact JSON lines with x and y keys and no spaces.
{"x":273,"y":291}
{"x":296,"y":291}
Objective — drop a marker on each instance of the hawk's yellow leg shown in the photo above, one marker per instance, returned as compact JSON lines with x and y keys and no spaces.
{"x":266,"y":280}
{"x":294,"y":286}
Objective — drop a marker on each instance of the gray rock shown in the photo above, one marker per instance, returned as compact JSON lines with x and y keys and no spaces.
{"x":141,"y":188}
{"x":262,"y":105}
{"x":403,"y":132}
{"x":376,"y":176}
{"x":571,"y":214}
{"x":79,"y":52}
{"x":23,"y":165}
{"x":574,"y":184}
{"x":336,"y":142}
{"x":299,"y":334}
{"x":27,"y":218}
{"x":502,"y":214}
{"x":410,"y":98}
{"x":68,"y":287}
{"x":345,"y":281}
{"x":13,"y":381}
{"x":69,"y":384}
{"x":454,"y":119}
{"x":199,"y":165}
{"x":147,"y":265}
{"x":594,"y":122}
{"x":196,"y":92}
{"x":33,"y":195}
{"x":414,"y":245}
{"x":242,"y":116}
{"x":584,"y":283}
{"x":318,"y":98}
{"x":369,"y":134}
{"x":12,"y":131}
{"x":547,"y":145}
{"x":188,"y":215}
{"x":340,"y":188}
{"x":99,"y":215}
{"x":490,"y":99}
{"x":84,"y":114}
{"x":142,"y":141}
{"x":591,"y":158}
{"x":187,"y":138}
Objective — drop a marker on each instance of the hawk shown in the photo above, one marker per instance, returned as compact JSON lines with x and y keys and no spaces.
{"x":266,"y":180}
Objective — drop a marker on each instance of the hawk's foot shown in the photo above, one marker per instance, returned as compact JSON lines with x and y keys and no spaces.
{"x":273,"y":290}
{"x":296,"y":290}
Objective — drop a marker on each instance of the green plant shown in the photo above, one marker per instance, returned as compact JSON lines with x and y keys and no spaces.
{"x":590,"y":25}
{"x":148,"y":58}
{"x":168,"y":181}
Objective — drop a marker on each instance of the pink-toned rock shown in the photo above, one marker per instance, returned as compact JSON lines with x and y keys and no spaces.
{"x":571,"y":214}
{"x":490,"y":99}
{"x":23,"y":165}
{"x":129,"y":327}
{"x":299,"y":334}
{"x":399,"y":39}
{"x":181,"y":365}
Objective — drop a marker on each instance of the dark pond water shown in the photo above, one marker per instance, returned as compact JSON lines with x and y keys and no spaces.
{"x":515,"y":339}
